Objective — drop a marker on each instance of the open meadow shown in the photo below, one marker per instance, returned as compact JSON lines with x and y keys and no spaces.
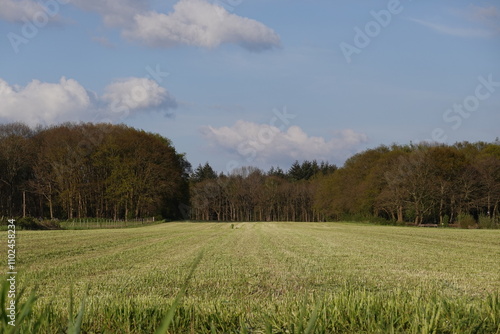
{"x":263,"y":278}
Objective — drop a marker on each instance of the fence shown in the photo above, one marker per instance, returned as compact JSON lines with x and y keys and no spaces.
{"x":89,"y":223}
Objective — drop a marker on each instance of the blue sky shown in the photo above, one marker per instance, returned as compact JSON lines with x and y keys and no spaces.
{"x":257,"y":82}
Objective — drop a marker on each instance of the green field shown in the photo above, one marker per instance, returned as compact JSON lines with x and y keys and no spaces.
{"x":265,"y":278}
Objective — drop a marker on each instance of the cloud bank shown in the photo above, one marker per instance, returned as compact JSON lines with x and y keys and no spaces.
{"x":16,"y":11}
{"x":202,"y":24}
{"x":67,"y":100}
{"x":192,"y":22}
{"x":263,"y":143}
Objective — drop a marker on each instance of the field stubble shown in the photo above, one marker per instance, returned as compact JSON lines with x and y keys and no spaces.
{"x":267,"y":277}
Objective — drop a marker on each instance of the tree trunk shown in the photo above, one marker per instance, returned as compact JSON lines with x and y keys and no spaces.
{"x":400,"y":214}
{"x":126,"y":210}
{"x":137,"y":208}
{"x":24,"y":203}
{"x":51,"y":208}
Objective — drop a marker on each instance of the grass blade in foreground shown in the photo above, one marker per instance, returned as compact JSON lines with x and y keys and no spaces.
{"x":165,"y":324}
{"x":75,"y":328}
{"x":24,"y":308}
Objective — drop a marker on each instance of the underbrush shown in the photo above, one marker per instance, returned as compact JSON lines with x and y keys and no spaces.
{"x":30,"y":223}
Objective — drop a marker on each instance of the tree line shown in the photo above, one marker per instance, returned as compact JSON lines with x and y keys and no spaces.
{"x":422,"y":184}
{"x":439,"y":184}
{"x":250,"y":194}
{"x":89,"y":170}
{"x":117,"y":172}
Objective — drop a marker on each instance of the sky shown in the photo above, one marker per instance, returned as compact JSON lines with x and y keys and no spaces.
{"x":257,"y":82}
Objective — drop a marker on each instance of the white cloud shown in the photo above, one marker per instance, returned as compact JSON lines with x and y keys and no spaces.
{"x":485,"y":13}
{"x":49,"y":103}
{"x":192,"y":22}
{"x":455,"y":31}
{"x":488,"y":16}
{"x":199,"y":23}
{"x":114,"y":12}
{"x":267,"y":144}
{"x":483,"y":22}
{"x":137,"y":94}
{"x":16,"y":11}
{"x":41,"y":102}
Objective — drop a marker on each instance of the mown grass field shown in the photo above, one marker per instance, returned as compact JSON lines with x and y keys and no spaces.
{"x":265,"y":278}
